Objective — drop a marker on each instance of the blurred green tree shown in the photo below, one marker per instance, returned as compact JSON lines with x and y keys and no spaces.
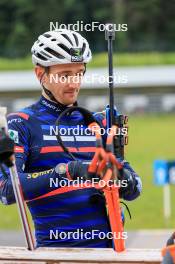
{"x":151,"y":23}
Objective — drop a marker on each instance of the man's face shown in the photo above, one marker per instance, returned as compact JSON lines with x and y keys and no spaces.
{"x":63,"y":81}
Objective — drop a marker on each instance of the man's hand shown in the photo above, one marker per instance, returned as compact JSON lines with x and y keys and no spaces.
{"x":130,"y":183}
{"x":79,"y":169}
{"x":74,"y":169}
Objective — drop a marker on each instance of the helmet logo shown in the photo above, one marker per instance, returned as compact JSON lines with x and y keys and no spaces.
{"x":76,"y":55}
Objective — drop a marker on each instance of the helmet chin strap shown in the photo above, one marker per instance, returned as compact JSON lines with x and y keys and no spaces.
{"x":51,"y":96}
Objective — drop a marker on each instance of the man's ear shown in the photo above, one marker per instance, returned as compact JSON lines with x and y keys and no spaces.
{"x":39,"y":71}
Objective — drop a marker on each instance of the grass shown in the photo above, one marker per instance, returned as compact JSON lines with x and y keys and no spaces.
{"x":134,"y":59}
{"x":16,"y":64}
{"x":150,"y":138}
{"x":100,"y":60}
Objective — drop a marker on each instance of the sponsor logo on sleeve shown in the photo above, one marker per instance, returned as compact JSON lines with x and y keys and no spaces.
{"x":14,"y":135}
{"x":38,"y":174}
{"x":15,"y":120}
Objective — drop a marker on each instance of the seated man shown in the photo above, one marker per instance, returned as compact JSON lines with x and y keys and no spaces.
{"x":57,"y":209}
{"x":168,"y":252}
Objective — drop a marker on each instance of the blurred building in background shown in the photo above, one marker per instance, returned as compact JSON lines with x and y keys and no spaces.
{"x":137,"y":89}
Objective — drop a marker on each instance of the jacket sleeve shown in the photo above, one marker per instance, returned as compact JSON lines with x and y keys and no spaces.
{"x":33,"y":184}
{"x":137,"y":188}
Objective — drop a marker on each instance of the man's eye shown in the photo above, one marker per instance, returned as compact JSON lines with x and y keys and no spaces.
{"x":79,"y":74}
{"x":65,"y":75}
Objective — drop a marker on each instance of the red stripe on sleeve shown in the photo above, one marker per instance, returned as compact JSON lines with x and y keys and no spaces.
{"x":19,"y":149}
{"x":55,"y":149}
{"x":23,"y":115}
{"x":65,"y":190}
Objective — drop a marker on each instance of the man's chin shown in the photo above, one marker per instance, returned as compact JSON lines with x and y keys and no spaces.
{"x":69,"y":102}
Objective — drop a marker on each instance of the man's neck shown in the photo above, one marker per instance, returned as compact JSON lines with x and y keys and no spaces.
{"x":47,"y":97}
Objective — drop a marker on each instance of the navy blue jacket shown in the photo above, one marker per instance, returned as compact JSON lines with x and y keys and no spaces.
{"x":37,"y":153}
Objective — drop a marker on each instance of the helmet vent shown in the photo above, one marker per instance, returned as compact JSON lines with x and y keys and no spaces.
{"x":54,"y":53}
{"x":54,"y":39}
{"x":41,"y":57}
{"x":83,"y":48}
{"x":66,"y":37}
{"x":46,"y":55}
{"x":62,"y":46}
{"x":41,"y":44}
{"x":76,"y":39}
{"x":47,"y":35}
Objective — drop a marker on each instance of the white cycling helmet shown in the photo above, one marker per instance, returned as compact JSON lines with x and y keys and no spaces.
{"x":60,"y":47}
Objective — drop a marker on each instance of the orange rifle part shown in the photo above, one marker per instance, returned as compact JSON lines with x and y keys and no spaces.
{"x":105,"y":164}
